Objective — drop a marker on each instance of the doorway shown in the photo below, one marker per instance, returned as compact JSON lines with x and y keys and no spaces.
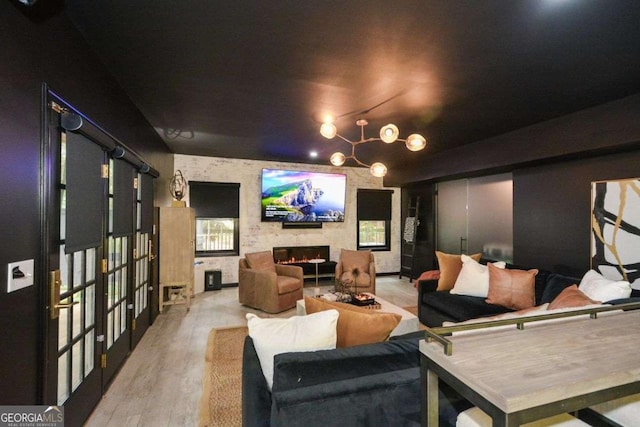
{"x":96,"y":225}
{"x":476,"y":215}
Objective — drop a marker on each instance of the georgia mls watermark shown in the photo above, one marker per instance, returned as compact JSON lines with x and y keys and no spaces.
{"x":32,"y":416}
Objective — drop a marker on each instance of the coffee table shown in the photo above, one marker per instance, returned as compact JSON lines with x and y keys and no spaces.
{"x":408,"y":323}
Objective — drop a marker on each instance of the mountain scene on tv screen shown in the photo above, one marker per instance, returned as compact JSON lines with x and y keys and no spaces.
{"x":298,"y":202}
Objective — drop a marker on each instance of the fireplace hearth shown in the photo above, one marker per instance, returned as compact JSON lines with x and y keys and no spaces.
{"x":300,"y":255}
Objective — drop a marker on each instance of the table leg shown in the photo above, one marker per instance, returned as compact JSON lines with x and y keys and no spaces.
{"x":429,"y":396}
{"x":316,"y":291}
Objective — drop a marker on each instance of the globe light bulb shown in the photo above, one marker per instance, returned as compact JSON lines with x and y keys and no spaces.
{"x":378,"y":170}
{"x":328,"y":130}
{"x":416,"y":142}
{"x":389,"y":133}
{"x":337,"y":159}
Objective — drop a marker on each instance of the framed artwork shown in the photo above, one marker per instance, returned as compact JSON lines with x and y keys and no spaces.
{"x":615,"y":229}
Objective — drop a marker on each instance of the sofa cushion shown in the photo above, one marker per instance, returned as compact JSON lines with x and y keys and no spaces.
{"x":298,"y":333}
{"x":473,"y":279}
{"x":355,"y":259}
{"x":571,"y":296}
{"x":356,"y":325}
{"x":260,"y":261}
{"x":350,"y":277}
{"x":513,"y":289}
{"x":599,"y":288}
{"x":287,"y":284}
{"x":459,"y":307}
{"x":295,"y":370}
{"x":555,"y":284}
{"x":450,"y":266}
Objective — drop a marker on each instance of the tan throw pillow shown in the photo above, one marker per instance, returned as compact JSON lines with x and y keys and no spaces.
{"x":355,"y":259}
{"x":513,"y":289}
{"x":571,"y":296}
{"x":356,"y":325}
{"x":260,"y":261}
{"x":450,"y":266}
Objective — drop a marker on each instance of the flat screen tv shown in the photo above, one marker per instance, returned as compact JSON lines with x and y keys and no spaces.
{"x":299,"y":196}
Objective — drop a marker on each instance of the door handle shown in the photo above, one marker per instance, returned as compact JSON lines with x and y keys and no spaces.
{"x":151,"y":254}
{"x":66,"y":304}
{"x":54,"y":295}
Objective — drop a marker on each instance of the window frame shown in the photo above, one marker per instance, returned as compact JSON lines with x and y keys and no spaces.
{"x":219,"y":252}
{"x":386,"y":246}
{"x":374,"y":205}
{"x":216,"y":201}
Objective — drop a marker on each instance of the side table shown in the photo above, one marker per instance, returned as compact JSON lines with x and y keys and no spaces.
{"x":316,"y":290}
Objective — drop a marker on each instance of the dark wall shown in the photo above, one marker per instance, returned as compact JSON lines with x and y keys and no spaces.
{"x":553,"y":164}
{"x":34,"y":51}
{"x":604,"y":128}
{"x":551,"y":212}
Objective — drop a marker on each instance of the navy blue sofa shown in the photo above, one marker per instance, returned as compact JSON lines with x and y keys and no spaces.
{"x":367,"y":385}
{"x":436,"y":307}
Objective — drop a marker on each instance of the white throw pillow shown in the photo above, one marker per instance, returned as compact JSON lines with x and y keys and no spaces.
{"x":599,"y":288}
{"x":473,"y":279}
{"x":298,"y":333}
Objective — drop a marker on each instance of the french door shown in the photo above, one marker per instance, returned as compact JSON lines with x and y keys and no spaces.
{"x":96,"y":252}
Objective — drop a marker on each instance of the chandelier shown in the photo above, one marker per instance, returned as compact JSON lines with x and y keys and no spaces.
{"x":388,"y":134}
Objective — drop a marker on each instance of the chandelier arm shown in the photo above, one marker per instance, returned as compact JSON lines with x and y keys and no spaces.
{"x":355,"y":159}
{"x":361,"y":141}
{"x":344,"y":139}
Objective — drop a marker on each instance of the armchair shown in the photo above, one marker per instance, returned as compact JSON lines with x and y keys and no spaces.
{"x":268,"y":286}
{"x":357,"y":268}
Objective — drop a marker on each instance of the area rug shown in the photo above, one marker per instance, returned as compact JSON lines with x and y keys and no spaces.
{"x":221,"y":401}
{"x":413,"y":309}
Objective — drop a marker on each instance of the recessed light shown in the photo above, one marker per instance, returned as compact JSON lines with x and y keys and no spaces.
{"x":313,"y":154}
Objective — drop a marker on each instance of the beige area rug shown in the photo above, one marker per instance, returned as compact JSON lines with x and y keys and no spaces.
{"x":221,"y":401}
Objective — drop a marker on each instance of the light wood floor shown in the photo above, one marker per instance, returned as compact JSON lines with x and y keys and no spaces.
{"x":161,"y":382}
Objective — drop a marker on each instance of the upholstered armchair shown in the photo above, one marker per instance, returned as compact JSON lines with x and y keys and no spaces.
{"x":357,"y":269}
{"x":268,"y":286}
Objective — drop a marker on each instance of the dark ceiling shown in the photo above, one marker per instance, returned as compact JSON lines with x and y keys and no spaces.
{"x":253,"y":79}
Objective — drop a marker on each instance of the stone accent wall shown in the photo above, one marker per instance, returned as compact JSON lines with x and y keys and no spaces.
{"x":258,"y":236}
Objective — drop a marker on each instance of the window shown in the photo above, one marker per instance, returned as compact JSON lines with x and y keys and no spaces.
{"x":374,"y":219}
{"x":215,"y":234}
{"x":372,"y":234}
{"x":216,"y":206}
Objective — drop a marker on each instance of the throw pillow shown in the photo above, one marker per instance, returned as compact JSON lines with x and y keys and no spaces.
{"x":260,"y":261}
{"x":450,"y":266}
{"x":356,"y":325}
{"x":514,"y":289}
{"x":473,"y":279}
{"x":357,"y":277}
{"x":355,"y":259}
{"x":298,"y":333}
{"x":597,"y":287}
{"x":555,"y":284}
{"x":571,"y":296}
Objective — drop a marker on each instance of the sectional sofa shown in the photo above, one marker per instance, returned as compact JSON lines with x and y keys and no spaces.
{"x":436,"y":307}
{"x":365,"y":385}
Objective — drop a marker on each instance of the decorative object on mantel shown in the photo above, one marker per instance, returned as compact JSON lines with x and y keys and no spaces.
{"x":177,"y":188}
{"x":615,"y":235}
{"x":388,"y":134}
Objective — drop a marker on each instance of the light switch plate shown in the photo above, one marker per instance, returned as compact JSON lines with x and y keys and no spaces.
{"x":19,"y":275}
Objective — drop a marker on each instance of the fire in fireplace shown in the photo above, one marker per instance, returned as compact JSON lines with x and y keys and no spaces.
{"x":299,"y":254}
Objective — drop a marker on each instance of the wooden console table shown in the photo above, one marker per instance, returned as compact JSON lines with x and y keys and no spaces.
{"x":521,"y":375}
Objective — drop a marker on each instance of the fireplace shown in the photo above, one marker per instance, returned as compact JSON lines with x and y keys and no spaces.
{"x":300,"y":255}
